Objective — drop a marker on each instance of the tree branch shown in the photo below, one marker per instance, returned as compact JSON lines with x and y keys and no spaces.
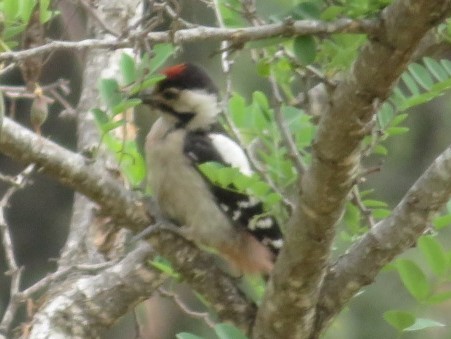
{"x":95,"y":182}
{"x":288,"y":309}
{"x":389,"y":238}
{"x":203,"y":33}
{"x":82,"y":174}
{"x":94,"y":302}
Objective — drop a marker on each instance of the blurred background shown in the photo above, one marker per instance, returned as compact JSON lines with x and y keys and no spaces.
{"x":39,"y":215}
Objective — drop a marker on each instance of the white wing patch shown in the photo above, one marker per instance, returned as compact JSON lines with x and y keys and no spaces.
{"x":231,"y":152}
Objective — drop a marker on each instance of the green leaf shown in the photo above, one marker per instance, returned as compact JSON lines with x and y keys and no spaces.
{"x":446,"y":64}
{"x":331,"y":12}
{"x":435,"y":68}
{"x":260,"y":188}
{"x":100,"y":116}
{"x":398,"y":119}
{"x":439,"y":297}
{"x":399,"y":319}
{"x":421,"y":75}
{"x":11,"y":31}
{"x":434,"y":254}
{"x":381,"y":213}
{"x":124,"y":105}
{"x":396,"y":130}
{"x":237,"y":108}
{"x":304,"y":47}
{"x":398,"y":96}
{"x":352,"y":218}
{"x":259,"y":111}
{"x":131,"y":162}
{"x":421,"y":324}
{"x":162,"y":52}
{"x":417,"y":99}
{"x":44,"y":13}
{"x":261,"y":99}
{"x":410,"y":83}
{"x":226,"y":176}
{"x":380,"y":150}
{"x":374,"y":203}
{"x":25,"y":9}
{"x":442,"y":221}
{"x":164,"y":266}
{"x":128,"y":68}
{"x":185,"y":335}
{"x":263,"y":68}
{"x":10,"y":9}
{"x":230,"y":13}
{"x":413,"y":279}
{"x":385,"y":115}
{"x":147,"y":83}
{"x":306,"y":10}
{"x":228,"y":331}
{"x":210,"y":170}
{"x":45,"y":16}
{"x":110,"y":92}
{"x":112,"y":124}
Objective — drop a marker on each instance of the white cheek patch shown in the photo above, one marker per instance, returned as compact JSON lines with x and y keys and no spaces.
{"x":203,"y":104}
{"x":231,"y":152}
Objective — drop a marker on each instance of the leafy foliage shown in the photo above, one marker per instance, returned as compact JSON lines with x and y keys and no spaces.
{"x":117,"y":95}
{"x":16,"y":14}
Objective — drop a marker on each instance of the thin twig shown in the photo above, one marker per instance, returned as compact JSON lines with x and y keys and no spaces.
{"x":10,"y":180}
{"x":13,"y":268}
{"x":7,"y":69}
{"x":357,"y":201}
{"x":179,"y":302}
{"x":204,"y":33}
{"x":61,"y":84}
{"x":68,"y":108}
{"x":174,"y":15}
{"x":45,"y":282}
{"x":96,"y":16}
{"x":284,"y":131}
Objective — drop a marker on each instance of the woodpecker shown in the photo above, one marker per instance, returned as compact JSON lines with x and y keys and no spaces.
{"x":187,"y":134}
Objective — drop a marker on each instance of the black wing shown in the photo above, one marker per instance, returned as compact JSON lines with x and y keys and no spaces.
{"x":242,"y":209}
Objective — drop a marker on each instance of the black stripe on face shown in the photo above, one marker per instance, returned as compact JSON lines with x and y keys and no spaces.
{"x":183,"y":117}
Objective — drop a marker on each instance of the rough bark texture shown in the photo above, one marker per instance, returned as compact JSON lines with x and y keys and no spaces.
{"x":288,"y":310}
{"x":92,"y":303}
{"x":390,"y":237}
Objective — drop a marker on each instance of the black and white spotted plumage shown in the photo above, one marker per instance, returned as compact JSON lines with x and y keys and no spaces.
{"x":186,"y":135}
{"x":244,"y":210}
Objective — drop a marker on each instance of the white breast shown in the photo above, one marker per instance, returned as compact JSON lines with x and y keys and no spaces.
{"x":181,"y":192}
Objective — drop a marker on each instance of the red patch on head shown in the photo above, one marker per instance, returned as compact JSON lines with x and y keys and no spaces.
{"x":173,"y":71}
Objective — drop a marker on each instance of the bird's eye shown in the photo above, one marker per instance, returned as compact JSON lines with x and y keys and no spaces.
{"x":170,"y":94}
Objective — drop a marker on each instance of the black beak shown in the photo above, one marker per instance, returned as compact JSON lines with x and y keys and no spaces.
{"x":147,"y":97}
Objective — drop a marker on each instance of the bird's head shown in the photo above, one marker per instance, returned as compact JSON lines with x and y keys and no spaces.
{"x":187,"y":97}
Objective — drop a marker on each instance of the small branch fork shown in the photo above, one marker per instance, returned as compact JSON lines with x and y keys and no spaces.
{"x":52,"y":89}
